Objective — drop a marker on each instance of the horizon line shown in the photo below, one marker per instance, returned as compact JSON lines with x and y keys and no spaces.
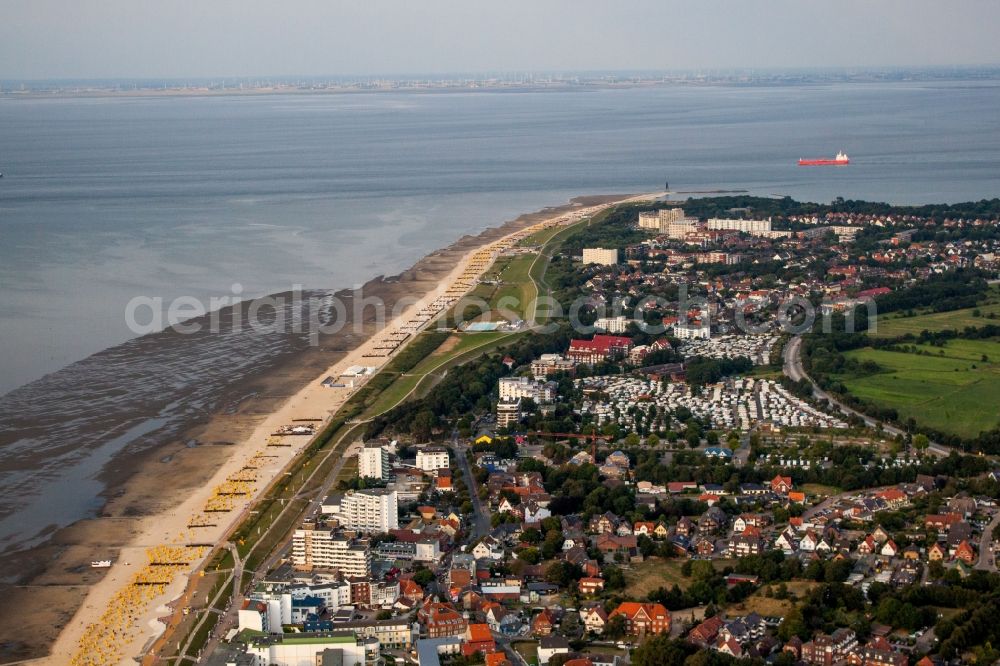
{"x":480,"y":74}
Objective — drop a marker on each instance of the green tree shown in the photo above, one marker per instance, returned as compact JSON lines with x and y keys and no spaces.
{"x":423,"y":425}
{"x":793,"y":625}
{"x":659,"y":650}
{"x":614,"y":628}
{"x":423,"y":577}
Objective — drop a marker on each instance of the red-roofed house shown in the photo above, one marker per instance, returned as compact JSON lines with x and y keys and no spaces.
{"x":642,"y":619}
{"x":441,"y":620}
{"x":410,"y":590}
{"x":543,"y":623}
{"x":894,"y":497}
{"x":942,"y":521}
{"x":443,"y":481}
{"x":478,"y":639}
{"x":497,"y":659}
{"x":781,"y":484}
{"x":965,"y":553}
{"x":704,"y":634}
{"x":591,"y":585}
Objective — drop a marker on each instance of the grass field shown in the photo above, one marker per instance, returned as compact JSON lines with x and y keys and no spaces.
{"x":819,"y":489}
{"x":952,"y":390}
{"x":758,"y":603}
{"x":518,"y":288}
{"x":528,"y":650}
{"x":541,"y":237}
{"x":654,"y":573}
{"x":895,"y":324}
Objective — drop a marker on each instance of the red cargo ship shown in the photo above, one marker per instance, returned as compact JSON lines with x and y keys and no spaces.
{"x":839,"y":160}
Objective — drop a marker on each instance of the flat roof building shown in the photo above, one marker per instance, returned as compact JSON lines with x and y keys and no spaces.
{"x":318,"y":547}
{"x":369,"y":510}
{"x":600,"y":255}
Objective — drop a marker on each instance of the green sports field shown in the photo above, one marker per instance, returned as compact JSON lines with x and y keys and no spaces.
{"x":951,"y":390}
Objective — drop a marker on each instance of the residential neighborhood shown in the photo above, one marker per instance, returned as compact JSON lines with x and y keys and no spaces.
{"x":665,"y":481}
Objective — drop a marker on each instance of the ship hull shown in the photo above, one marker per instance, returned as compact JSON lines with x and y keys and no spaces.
{"x":822,"y":162}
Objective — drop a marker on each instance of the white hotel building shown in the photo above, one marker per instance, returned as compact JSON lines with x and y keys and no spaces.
{"x":753,"y":227}
{"x":318,"y":547}
{"x":512,"y":388}
{"x":612,"y":325}
{"x":692,"y":331}
{"x":373,"y":462}
{"x":600,"y":255}
{"x":375,"y":510}
{"x":433,"y":458}
{"x":669,"y":221}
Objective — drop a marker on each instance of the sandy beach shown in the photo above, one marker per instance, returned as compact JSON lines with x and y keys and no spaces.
{"x":155,"y":502}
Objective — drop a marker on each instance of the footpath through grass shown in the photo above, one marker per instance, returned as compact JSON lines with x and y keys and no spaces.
{"x":951,"y":388}
{"x":518,"y":289}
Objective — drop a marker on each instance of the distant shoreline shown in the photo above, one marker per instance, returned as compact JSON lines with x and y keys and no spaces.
{"x":259,"y":86}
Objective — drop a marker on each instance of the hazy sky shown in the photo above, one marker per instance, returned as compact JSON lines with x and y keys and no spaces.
{"x":212,"y":38}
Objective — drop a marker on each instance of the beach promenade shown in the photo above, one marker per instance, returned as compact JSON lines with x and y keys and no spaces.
{"x":146,"y":587}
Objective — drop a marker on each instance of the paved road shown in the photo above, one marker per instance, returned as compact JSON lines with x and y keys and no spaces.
{"x":986,"y":560}
{"x":481,"y":522}
{"x":793,"y":369}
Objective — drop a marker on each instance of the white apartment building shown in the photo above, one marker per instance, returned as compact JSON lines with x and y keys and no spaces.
{"x":650,"y":221}
{"x":373,"y":462}
{"x":746,"y":226}
{"x":669,"y":221}
{"x":600,"y":255}
{"x":692,"y":331}
{"x":612,"y":324}
{"x":335,"y":595}
{"x":679,"y":229}
{"x":428,"y":550}
{"x":372,"y":510}
{"x":432,"y":458}
{"x":508,"y":412}
{"x":316,"y":547}
{"x":671,"y":214}
{"x":512,"y":388}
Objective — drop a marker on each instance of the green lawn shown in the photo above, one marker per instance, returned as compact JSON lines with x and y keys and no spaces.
{"x":819,"y":489}
{"x":895,"y":324}
{"x":457,"y":348}
{"x":953,"y":390}
{"x":518,"y":288}
{"x":541,"y":237}
{"x":528,"y":650}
